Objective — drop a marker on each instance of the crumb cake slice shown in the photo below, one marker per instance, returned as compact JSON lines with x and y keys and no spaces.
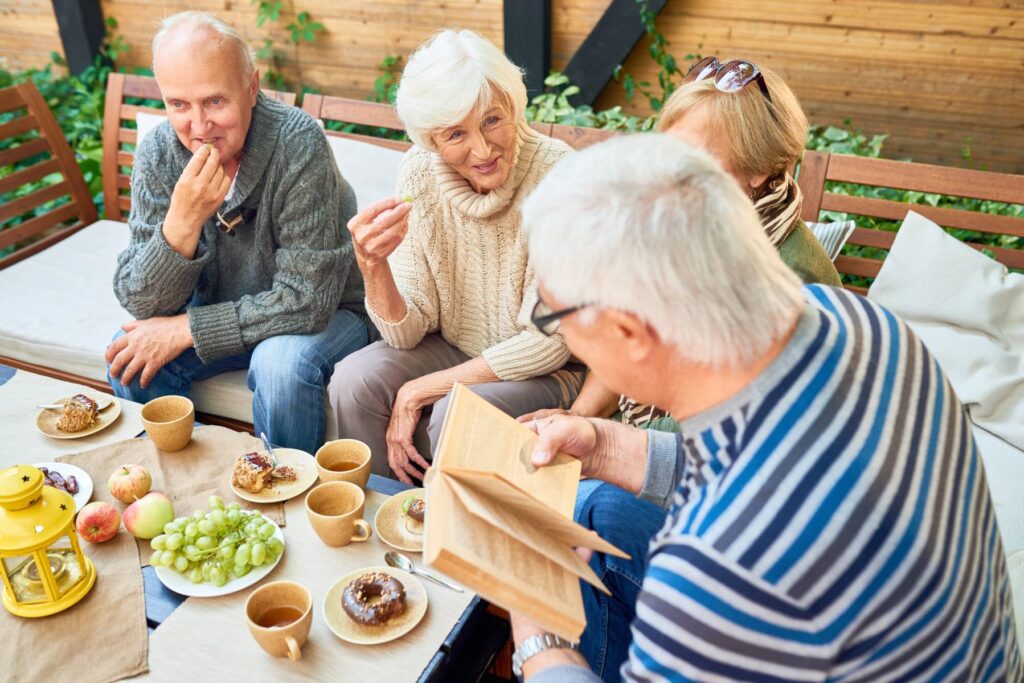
{"x":252,"y":472}
{"x":255,"y":471}
{"x":79,"y":413}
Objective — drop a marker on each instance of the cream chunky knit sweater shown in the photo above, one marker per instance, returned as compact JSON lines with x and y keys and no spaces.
{"x":463,"y":268}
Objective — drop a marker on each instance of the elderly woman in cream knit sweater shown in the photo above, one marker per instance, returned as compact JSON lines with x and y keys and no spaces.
{"x":448,"y":282}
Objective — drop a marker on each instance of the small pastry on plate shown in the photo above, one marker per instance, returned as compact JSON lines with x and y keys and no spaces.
{"x":78,"y":414}
{"x":373,"y":599}
{"x":415,"y":510}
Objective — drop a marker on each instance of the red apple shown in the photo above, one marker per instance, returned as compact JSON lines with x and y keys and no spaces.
{"x":128,"y":483}
{"x":98,"y":522}
{"x":146,"y":517}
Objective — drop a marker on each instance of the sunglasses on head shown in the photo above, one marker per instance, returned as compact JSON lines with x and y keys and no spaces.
{"x":730,"y":77}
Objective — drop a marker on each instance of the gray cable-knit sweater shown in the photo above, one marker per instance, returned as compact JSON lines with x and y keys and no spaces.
{"x":288,"y":267}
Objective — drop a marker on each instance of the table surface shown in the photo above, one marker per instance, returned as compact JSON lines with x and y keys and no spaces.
{"x":161,"y":602}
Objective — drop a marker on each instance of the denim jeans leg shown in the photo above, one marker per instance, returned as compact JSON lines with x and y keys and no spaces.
{"x":176,"y":377}
{"x":628,"y":523}
{"x":288,"y":376}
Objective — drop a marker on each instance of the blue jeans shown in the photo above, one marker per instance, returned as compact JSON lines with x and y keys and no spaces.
{"x":287,"y":375}
{"x":628,"y":523}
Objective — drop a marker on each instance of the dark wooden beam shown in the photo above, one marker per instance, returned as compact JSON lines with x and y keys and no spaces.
{"x":81,"y":31}
{"x":616,"y":34}
{"x":528,"y":39}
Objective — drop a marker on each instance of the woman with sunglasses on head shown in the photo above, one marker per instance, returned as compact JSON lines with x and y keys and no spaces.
{"x":749,"y":120}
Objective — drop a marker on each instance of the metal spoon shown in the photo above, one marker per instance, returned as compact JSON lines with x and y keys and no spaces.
{"x":102,"y":403}
{"x":400,"y":561}
{"x":266,"y":443}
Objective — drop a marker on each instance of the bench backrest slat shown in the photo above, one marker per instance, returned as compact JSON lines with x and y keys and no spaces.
{"x":118,"y":159}
{"x":819,"y":169}
{"x":36,"y":137}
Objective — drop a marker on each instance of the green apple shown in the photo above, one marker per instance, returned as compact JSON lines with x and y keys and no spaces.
{"x":146,"y":517}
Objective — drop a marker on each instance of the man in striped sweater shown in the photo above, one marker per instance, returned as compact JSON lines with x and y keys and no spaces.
{"x":828,"y":517}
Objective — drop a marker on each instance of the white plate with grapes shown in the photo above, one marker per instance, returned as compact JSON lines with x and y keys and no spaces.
{"x":222,"y":551}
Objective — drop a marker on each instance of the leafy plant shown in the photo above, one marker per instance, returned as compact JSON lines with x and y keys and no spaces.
{"x":303,"y":29}
{"x":553,"y":106}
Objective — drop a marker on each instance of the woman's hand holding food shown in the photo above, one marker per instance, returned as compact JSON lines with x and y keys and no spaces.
{"x":377,"y":231}
{"x":200,"y":190}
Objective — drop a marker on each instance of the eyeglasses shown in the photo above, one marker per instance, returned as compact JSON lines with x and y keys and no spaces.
{"x":730,"y":77}
{"x":547,"y":320}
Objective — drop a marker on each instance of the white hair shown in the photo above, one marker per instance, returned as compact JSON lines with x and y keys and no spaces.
{"x":451,"y":75}
{"x":201,"y":21}
{"x":649,"y":225}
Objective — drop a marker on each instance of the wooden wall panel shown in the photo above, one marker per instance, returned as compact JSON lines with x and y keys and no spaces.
{"x":931,"y":74}
{"x":28,"y":34}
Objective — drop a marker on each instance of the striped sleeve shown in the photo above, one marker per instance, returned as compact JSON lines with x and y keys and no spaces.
{"x":701,"y":616}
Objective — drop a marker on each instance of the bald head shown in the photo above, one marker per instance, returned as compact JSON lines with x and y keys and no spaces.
{"x":202,"y":37}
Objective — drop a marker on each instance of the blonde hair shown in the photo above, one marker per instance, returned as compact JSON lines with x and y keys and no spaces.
{"x":650,"y":225}
{"x":195,"y":22}
{"x":760,"y":137}
{"x":451,"y":75}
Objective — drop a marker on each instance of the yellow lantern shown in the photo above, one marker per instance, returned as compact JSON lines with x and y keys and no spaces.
{"x":41,"y":563}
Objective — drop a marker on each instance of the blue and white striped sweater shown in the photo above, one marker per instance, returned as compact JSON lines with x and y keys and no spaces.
{"x":832,"y":524}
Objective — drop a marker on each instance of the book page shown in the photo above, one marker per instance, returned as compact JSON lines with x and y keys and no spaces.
{"x":507,"y":502}
{"x":478,"y":436}
{"x":515,"y":526}
{"x":498,"y":566}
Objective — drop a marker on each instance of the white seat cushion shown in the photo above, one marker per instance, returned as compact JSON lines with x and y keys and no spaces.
{"x":372,"y":171}
{"x":969,"y":312}
{"x":64,"y":313}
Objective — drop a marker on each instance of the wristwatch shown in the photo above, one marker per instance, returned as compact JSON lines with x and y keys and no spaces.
{"x":534,"y":645}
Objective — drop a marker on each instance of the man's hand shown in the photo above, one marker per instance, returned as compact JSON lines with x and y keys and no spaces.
{"x":609,"y":451}
{"x":404,"y":459}
{"x":378,"y":230}
{"x":200,"y":190}
{"x":543,"y":413}
{"x":147,"y":346}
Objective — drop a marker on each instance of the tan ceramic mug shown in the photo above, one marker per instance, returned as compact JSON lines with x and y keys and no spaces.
{"x":168,"y":421}
{"x":335,"y":511}
{"x":279,"y":615}
{"x":344,"y":460}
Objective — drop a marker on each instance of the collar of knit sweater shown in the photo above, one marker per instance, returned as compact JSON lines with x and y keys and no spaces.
{"x":463,"y":198}
{"x":259,"y":147}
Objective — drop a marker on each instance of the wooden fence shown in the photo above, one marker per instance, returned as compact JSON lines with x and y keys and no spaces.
{"x":937,"y":76}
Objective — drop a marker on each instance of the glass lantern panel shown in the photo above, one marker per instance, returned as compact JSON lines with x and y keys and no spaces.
{"x":25,"y":580}
{"x":66,"y":569}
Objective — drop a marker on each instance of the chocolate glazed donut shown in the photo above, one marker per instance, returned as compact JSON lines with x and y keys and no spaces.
{"x":358,"y":598}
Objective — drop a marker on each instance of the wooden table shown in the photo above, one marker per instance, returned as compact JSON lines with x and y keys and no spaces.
{"x":465,"y":654}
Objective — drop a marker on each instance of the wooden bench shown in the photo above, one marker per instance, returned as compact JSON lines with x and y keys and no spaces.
{"x":119,"y":140}
{"x":820,"y":169}
{"x":41,"y":151}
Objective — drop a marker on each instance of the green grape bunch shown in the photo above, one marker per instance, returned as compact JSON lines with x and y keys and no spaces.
{"x":224,"y":543}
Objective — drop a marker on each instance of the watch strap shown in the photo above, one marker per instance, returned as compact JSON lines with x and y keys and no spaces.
{"x":534,"y":645}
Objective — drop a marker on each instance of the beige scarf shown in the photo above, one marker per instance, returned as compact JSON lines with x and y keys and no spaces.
{"x":779,"y":208}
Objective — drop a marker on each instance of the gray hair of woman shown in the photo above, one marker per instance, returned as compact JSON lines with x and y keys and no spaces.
{"x":649,"y":225}
{"x":455,"y":73}
{"x":221,"y":30}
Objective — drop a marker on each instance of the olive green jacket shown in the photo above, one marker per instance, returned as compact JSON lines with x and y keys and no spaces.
{"x":804,"y":254}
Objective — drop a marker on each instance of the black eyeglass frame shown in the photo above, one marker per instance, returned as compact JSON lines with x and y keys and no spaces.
{"x":710,"y":67}
{"x":546,"y":320}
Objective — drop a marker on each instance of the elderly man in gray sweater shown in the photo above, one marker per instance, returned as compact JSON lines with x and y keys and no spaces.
{"x":239,"y":256}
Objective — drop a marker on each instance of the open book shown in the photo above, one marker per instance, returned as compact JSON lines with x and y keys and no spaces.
{"x":503,"y":527}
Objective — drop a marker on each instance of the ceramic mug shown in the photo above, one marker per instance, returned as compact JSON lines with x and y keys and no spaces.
{"x":335,"y":510}
{"x":344,"y":460}
{"x":168,"y":421}
{"x":279,"y":615}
